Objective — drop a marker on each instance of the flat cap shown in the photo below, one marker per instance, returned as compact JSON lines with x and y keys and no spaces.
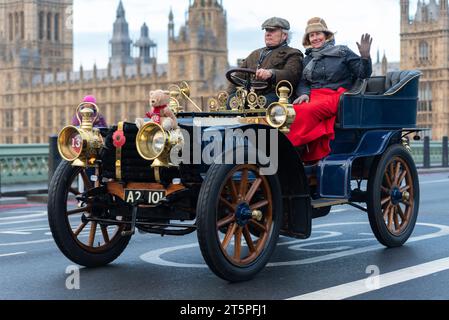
{"x":276,"y":22}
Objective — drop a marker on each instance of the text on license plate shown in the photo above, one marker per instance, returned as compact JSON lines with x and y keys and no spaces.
{"x":149,"y":197}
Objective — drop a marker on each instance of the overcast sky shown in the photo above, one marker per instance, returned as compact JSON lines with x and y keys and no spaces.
{"x":93,"y":20}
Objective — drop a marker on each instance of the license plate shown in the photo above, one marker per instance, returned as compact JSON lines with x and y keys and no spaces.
{"x":147,"y":197}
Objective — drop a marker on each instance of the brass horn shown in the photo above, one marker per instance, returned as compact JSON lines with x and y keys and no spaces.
{"x":184,"y":90}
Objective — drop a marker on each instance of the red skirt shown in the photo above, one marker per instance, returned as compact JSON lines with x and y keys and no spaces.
{"x":315,"y":122}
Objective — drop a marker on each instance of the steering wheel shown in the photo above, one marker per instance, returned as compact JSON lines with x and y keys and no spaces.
{"x":248,"y":81}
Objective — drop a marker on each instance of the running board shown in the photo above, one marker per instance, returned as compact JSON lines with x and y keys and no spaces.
{"x":324,"y":203}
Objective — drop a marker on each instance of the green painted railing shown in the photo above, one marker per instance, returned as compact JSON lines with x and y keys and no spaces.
{"x":23,"y":163}
{"x":436,"y":153}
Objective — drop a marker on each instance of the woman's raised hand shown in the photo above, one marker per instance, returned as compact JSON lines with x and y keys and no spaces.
{"x":365,"y":46}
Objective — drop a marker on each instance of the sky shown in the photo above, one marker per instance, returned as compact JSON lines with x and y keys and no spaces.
{"x":93,"y":21}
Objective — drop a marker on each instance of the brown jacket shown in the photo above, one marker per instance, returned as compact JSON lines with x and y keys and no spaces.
{"x":285,"y":61}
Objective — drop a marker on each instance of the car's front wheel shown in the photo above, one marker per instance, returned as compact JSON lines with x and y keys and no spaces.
{"x":239,"y":215}
{"x":83,"y":241}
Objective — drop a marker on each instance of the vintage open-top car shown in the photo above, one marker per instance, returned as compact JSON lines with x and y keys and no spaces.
{"x":232,"y":175}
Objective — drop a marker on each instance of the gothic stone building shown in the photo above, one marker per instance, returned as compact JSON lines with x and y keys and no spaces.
{"x":425,"y":46}
{"x":39,"y":90}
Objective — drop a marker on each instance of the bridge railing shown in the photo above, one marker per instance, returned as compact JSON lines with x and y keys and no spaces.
{"x":30,"y":163}
{"x":23,"y":163}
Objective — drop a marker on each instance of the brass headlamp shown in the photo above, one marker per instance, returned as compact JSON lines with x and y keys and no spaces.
{"x":281,"y":114}
{"x":154,"y":143}
{"x":81,"y":145}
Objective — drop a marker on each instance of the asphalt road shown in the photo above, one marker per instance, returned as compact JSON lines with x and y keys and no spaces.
{"x":340,"y":261}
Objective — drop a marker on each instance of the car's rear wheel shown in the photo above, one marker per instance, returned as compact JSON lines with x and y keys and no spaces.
{"x":393,"y":197}
{"x":87,"y":243}
{"x":239,"y":216}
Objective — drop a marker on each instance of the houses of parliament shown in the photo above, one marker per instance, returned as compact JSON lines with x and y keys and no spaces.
{"x":39,"y":89}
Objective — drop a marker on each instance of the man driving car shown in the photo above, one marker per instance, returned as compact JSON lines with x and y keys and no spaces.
{"x":275,"y":62}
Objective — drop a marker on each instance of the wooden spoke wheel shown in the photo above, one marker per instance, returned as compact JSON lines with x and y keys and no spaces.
{"x":393,"y":191}
{"x":85,"y":242}
{"x":238,"y":218}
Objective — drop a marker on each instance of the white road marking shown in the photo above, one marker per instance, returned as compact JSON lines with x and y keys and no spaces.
{"x":25,"y":242}
{"x":20,"y":222}
{"x":359,"y":287}
{"x":15,"y":232}
{"x":11,"y":254}
{"x":443,"y":231}
{"x":327,"y":234}
{"x":434,"y":181}
{"x":303,"y":246}
{"x":31,"y":228}
{"x":338,"y":210}
{"x":40,"y":214}
{"x":155,"y":256}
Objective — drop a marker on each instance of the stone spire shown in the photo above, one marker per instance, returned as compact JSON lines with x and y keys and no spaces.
{"x":443,"y":7}
{"x":405,"y":11}
{"x":419,"y":12}
{"x":146,"y":47}
{"x":206,"y":3}
{"x":121,"y":42}
{"x":433,"y":10}
{"x":171,"y":25}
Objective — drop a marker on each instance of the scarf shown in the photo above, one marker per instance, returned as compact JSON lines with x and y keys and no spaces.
{"x":266,"y":52}
{"x":328,"y":50}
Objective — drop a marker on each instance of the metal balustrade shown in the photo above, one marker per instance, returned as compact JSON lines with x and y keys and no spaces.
{"x":435,"y":153}
{"x":23,"y":163}
{"x":29,"y":163}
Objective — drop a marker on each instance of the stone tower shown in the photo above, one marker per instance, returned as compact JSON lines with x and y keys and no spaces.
{"x":199,"y":53}
{"x":121,"y":42}
{"x":35,"y":37}
{"x":147,"y":47}
{"x":425,"y":46}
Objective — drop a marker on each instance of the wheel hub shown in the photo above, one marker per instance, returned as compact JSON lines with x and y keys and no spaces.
{"x":396,"y":195}
{"x":243,"y":214}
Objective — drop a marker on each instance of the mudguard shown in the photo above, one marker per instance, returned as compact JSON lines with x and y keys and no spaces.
{"x":335,"y":171}
{"x":289,"y":168}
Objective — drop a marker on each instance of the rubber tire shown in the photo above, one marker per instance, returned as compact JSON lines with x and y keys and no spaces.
{"x":207,"y":234}
{"x":375,"y":216}
{"x":61,"y":230}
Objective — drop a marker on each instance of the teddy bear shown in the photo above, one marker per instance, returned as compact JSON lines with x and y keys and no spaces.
{"x":160,"y":112}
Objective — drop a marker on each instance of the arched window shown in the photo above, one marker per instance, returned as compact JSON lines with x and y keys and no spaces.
{"x":56,"y":26}
{"x":429,"y":96}
{"x":214,"y":66}
{"x":16,"y":25}
{"x":423,"y":51}
{"x":8,"y":82}
{"x":202,"y":73}
{"x":11,"y":27}
{"x":41,"y":25}
{"x":425,"y":98}
{"x":50,"y":119}
{"x":22,"y":25}
{"x":25,"y":121}
{"x":181,"y":67}
{"x":48,"y":26}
